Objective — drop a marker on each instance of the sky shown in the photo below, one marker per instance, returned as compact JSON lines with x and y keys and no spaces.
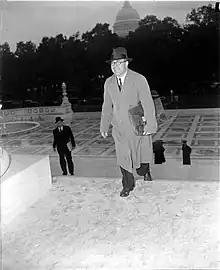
{"x":32,"y":20}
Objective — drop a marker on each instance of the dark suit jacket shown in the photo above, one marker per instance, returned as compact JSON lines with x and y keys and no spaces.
{"x":186,"y":154}
{"x":62,"y":138}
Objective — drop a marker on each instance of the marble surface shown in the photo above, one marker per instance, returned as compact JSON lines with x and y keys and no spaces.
{"x":4,"y":162}
{"x":201,"y":129}
{"x":19,"y":163}
{"x":17,"y":127}
{"x":82,"y":223}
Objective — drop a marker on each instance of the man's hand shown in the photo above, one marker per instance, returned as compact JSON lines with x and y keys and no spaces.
{"x":146,"y":131}
{"x":145,"y":127}
{"x":54,"y":149}
{"x":104,"y":134}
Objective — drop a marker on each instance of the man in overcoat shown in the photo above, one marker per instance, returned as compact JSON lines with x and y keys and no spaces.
{"x":62,"y":136}
{"x":186,"y":151}
{"x":122,"y":91}
{"x":158,"y":150}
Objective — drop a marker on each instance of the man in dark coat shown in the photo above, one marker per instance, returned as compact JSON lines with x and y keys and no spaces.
{"x":122,"y":91}
{"x":186,"y":150}
{"x":158,"y":150}
{"x":62,"y":136}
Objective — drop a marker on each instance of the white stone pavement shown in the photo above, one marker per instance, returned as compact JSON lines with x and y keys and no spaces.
{"x":82,"y":223}
{"x":200,"y":127}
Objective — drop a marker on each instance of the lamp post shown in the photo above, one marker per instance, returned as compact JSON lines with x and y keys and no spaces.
{"x":171,"y":95}
{"x":101,"y":78}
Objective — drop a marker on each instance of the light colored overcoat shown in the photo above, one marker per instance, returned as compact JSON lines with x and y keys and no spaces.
{"x":131,"y":150}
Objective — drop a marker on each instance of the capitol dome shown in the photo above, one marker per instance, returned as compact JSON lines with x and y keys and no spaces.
{"x":127,"y":20}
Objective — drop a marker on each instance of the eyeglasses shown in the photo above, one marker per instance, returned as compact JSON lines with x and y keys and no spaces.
{"x":117,"y":63}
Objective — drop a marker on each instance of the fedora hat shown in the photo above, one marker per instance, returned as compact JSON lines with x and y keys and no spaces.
{"x":119,"y":53}
{"x":58,"y":119}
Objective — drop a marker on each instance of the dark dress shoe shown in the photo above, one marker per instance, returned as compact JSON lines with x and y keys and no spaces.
{"x":64,"y":173}
{"x":124,"y":193}
{"x":72,"y":173}
{"x":132,"y":187}
{"x":148,"y":177}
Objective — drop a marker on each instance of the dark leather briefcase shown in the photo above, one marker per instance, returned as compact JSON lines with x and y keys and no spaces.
{"x":136,"y":113}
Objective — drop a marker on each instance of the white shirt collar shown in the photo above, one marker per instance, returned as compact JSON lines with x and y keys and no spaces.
{"x":122,"y":78}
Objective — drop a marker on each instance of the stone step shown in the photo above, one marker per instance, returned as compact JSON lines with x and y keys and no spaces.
{"x":200,"y":170}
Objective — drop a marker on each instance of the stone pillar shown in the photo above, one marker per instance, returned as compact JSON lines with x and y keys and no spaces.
{"x":65,"y":102}
{"x":67,"y":105}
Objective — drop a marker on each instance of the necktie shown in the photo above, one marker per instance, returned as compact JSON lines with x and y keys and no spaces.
{"x":119,"y":83}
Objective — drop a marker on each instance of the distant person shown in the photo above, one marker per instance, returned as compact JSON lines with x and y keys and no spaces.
{"x":122,"y":91}
{"x":176,"y":99}
{"x":186,"y":150}
{"x":64,"y":142}
{"x":158,"y":150}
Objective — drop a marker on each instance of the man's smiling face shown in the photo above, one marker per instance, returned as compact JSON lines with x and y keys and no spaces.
{"x":119,"y":67}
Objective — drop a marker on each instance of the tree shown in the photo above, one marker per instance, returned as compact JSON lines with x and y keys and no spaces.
{"x":204,"y":15}
{"x":50,"y":61}
{"x":149,"y":20}
{"x":170,"y":55}
{"x":8,"y":71}
{"x":200,"y":43}
{"x":25,"y":48}
{"x":25,"y":56}
{"x":155,"y":46}
{"x":98,"y":47}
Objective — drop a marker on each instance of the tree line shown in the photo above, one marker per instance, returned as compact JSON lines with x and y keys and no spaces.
{"x":171,"y":56}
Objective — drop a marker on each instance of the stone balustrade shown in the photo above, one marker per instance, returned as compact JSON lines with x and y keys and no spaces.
{"x":33,"y":114}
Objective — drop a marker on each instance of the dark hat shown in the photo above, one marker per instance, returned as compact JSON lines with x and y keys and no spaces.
{"x":58,"y":119}
{"x":184,"y":141}
{"x":119,"y":53}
